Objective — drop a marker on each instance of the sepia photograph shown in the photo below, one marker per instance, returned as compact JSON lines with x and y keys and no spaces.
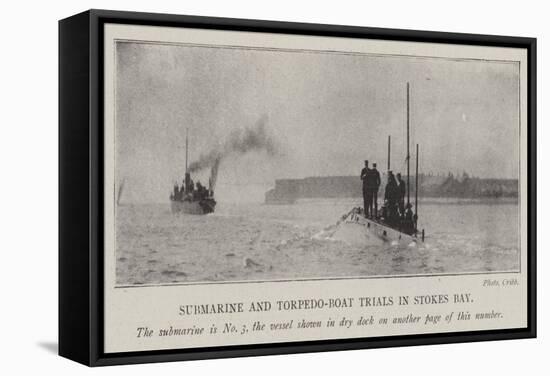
{"x":240,"y":164}
{"x":266,"y":187}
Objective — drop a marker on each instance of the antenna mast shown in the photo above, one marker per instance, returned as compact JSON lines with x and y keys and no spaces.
{"x":416,"y":189}
{"x":186,"y":148}
{"x":408,"y":154}
{"x":389,"y":150}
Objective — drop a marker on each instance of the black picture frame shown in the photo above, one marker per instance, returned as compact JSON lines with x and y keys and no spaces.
{"x":80,"y":185}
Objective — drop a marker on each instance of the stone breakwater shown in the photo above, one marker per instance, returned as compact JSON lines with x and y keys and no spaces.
{"x":434,"y":186}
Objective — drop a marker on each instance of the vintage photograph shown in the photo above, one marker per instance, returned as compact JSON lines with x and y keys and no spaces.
{"x":239,"y":164}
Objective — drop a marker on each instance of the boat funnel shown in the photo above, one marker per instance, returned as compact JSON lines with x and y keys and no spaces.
{"x":187,"y":182}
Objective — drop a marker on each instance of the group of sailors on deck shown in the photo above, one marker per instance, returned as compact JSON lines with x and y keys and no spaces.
{"x":197,"y":192}
{"x":393,"y":212}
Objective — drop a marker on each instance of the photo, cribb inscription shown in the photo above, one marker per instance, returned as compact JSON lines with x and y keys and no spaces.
{"x":274,"y":188}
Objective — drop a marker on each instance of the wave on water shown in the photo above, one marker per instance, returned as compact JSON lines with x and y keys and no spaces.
{"x":348,"y":233}
{"x":257,"y":242}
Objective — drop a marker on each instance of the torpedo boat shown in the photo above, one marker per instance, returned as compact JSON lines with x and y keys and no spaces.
{"x":191,"y":199}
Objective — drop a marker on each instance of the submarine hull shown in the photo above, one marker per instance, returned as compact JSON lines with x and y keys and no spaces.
{"x":376,"y":228}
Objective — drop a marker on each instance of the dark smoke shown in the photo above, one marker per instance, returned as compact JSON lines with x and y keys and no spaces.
{"x":240,"y":141}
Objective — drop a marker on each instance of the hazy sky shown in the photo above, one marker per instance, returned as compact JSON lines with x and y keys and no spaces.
{"x":327,"y":112}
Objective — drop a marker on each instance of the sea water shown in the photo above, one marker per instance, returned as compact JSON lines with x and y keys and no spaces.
{"x":253,"y":241}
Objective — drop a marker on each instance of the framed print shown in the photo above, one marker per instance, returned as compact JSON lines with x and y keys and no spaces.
{"x":238,"y":187}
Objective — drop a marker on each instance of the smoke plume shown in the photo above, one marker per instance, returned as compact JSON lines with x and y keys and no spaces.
{"x":240,"y":141}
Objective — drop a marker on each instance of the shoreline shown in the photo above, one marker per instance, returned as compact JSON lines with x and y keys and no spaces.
{"x":357,"y":201}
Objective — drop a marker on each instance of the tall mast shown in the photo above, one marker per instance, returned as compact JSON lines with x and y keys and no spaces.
{"x":186,"y":148}
{"x":389,"y":150}
{"x":408,"y":154}
{"x":416,"y":189}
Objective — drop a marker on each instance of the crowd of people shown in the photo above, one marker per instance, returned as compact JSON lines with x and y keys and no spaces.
{"x":197,"y":192}
{"x":393,"y":212}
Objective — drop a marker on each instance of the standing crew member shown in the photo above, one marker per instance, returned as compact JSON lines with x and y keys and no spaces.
{"x":409,"y":219}
{"x":375,"y":184}
{"x":365,"y":178}
{"x":198,"y":191}
{"x":402,"y":189}
{"x":176,"y":191}
{"x":390,"y":196}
